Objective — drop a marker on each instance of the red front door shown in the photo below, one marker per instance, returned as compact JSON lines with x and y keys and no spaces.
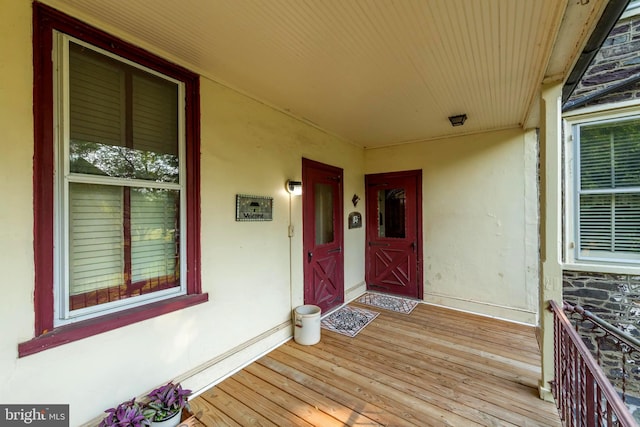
{"x":322,"y":235}
{"x":394,"y":232}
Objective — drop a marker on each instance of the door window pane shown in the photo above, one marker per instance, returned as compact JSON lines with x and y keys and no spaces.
{"x":324,"y":213}
{"x":391,"y":213}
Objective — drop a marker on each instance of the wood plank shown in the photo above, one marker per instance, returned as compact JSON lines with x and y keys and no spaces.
{"x":511,"y":347}
{"x":265,"y":407}
{"x":435,"y":318}
{"x":209,"y":415}
{"x":235,"y":408}
{"x":431,"y":392}
{"x":319,"y":409}
{"x":494,"y":399}
{"x":355,"y":406}
{"x":495,"y":349}
{"x":410,"y":407}
{"x":305,"y":413}
{"x":486,"y":362}
{"x":443,"y":368}
{"x":433,"y":367}
{"x":477,"y":330}
{"x":463,"y":317}
{"x":491,"y":330}
{"x":192,"y":421}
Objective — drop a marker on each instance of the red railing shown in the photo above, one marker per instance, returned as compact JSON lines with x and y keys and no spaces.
{"x":584,"y":396}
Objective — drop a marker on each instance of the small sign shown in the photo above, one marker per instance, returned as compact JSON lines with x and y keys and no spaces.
{"x":355,"y":220}
{"x":254,"y":208}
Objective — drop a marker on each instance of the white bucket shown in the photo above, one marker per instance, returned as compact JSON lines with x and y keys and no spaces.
{"x":306,"y":324}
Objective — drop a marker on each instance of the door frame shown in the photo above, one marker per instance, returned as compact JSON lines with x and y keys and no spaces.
{"x":417,"y":174}
{"x":308,"y":213}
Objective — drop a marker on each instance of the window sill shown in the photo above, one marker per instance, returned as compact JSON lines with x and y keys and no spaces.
{"x":77,"y":331}
{"x":602,"y":268}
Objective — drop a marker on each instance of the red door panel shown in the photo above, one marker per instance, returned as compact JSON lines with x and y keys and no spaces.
{"x":324,"y":287}
{"x":393,"y":267}
{"x":394,"y":233}
{"x":322,"y":235}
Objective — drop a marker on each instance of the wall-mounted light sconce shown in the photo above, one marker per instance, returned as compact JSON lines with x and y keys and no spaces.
{"x":458,"y":120}
{"x":294,"y":187}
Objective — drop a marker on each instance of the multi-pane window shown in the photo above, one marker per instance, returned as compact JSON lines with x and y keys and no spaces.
{"x":607,"y":191}
{"x":120,"y":182}
{"x":116,"y":183}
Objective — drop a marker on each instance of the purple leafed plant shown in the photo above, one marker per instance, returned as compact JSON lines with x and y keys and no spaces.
{"x":127,"y":414}
{"x":165,"y":401}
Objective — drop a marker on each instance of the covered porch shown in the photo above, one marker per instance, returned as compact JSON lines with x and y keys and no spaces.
{"x":365,"y":87}
{"x":435,"y":366}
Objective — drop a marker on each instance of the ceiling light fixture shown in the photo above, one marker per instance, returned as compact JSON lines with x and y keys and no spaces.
{"x":458,"y":120}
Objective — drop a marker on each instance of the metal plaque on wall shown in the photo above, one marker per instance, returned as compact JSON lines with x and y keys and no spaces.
{"x":254,"y":208}
{"x":355,"y":220}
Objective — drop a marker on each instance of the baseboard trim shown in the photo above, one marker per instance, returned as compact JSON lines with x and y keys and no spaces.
{"x":244,"y":354}
{"x":199,"y":380}
{"x":512,"y":314}
{"x":355,"y":291}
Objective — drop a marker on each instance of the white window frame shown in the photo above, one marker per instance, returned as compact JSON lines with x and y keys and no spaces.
{"x":572,"y":120}
{"x":633,"y":9}
{"x":62,"y":313}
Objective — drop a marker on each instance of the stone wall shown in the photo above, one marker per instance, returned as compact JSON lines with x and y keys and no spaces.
{"x":617,"y":60}
{"x":614,"y":298}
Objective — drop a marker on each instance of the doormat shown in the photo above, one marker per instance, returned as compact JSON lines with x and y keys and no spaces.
{"x":398,"y":304}
{"x":348,"y":320}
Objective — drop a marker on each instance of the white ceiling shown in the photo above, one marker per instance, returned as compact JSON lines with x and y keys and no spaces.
{"x":377,"y":72}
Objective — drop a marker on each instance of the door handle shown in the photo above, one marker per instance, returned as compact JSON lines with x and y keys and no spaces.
{"x":332,"y":251}
{"x":413,"y":246}
{"x":309,"y":256}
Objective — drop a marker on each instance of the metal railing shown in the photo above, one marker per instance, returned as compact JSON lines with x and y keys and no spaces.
{"x":584,"y":396}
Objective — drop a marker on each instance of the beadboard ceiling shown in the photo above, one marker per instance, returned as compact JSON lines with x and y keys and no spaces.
{"x":376,"y":72}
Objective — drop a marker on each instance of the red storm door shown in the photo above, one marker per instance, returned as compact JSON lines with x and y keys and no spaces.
{"x":322,"y":235}
{"x":394,"y":230}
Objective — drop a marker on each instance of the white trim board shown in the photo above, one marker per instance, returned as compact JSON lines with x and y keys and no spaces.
{"x":495,"y":311}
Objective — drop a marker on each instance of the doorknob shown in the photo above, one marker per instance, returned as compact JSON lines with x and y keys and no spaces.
{"x":309,"y":256}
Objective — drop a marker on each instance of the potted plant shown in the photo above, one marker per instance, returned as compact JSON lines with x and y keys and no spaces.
{"x":165,"y":405}
{"x":127,"y":414}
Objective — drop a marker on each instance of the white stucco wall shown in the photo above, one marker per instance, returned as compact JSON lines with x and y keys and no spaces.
{"x":480,"y":219}
{"x":247,"y":147}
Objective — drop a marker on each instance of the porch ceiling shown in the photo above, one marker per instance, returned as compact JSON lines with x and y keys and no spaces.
{"x":377,"y":72}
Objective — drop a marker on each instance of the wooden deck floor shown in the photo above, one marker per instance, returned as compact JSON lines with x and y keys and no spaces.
{"x":432,"y":367}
